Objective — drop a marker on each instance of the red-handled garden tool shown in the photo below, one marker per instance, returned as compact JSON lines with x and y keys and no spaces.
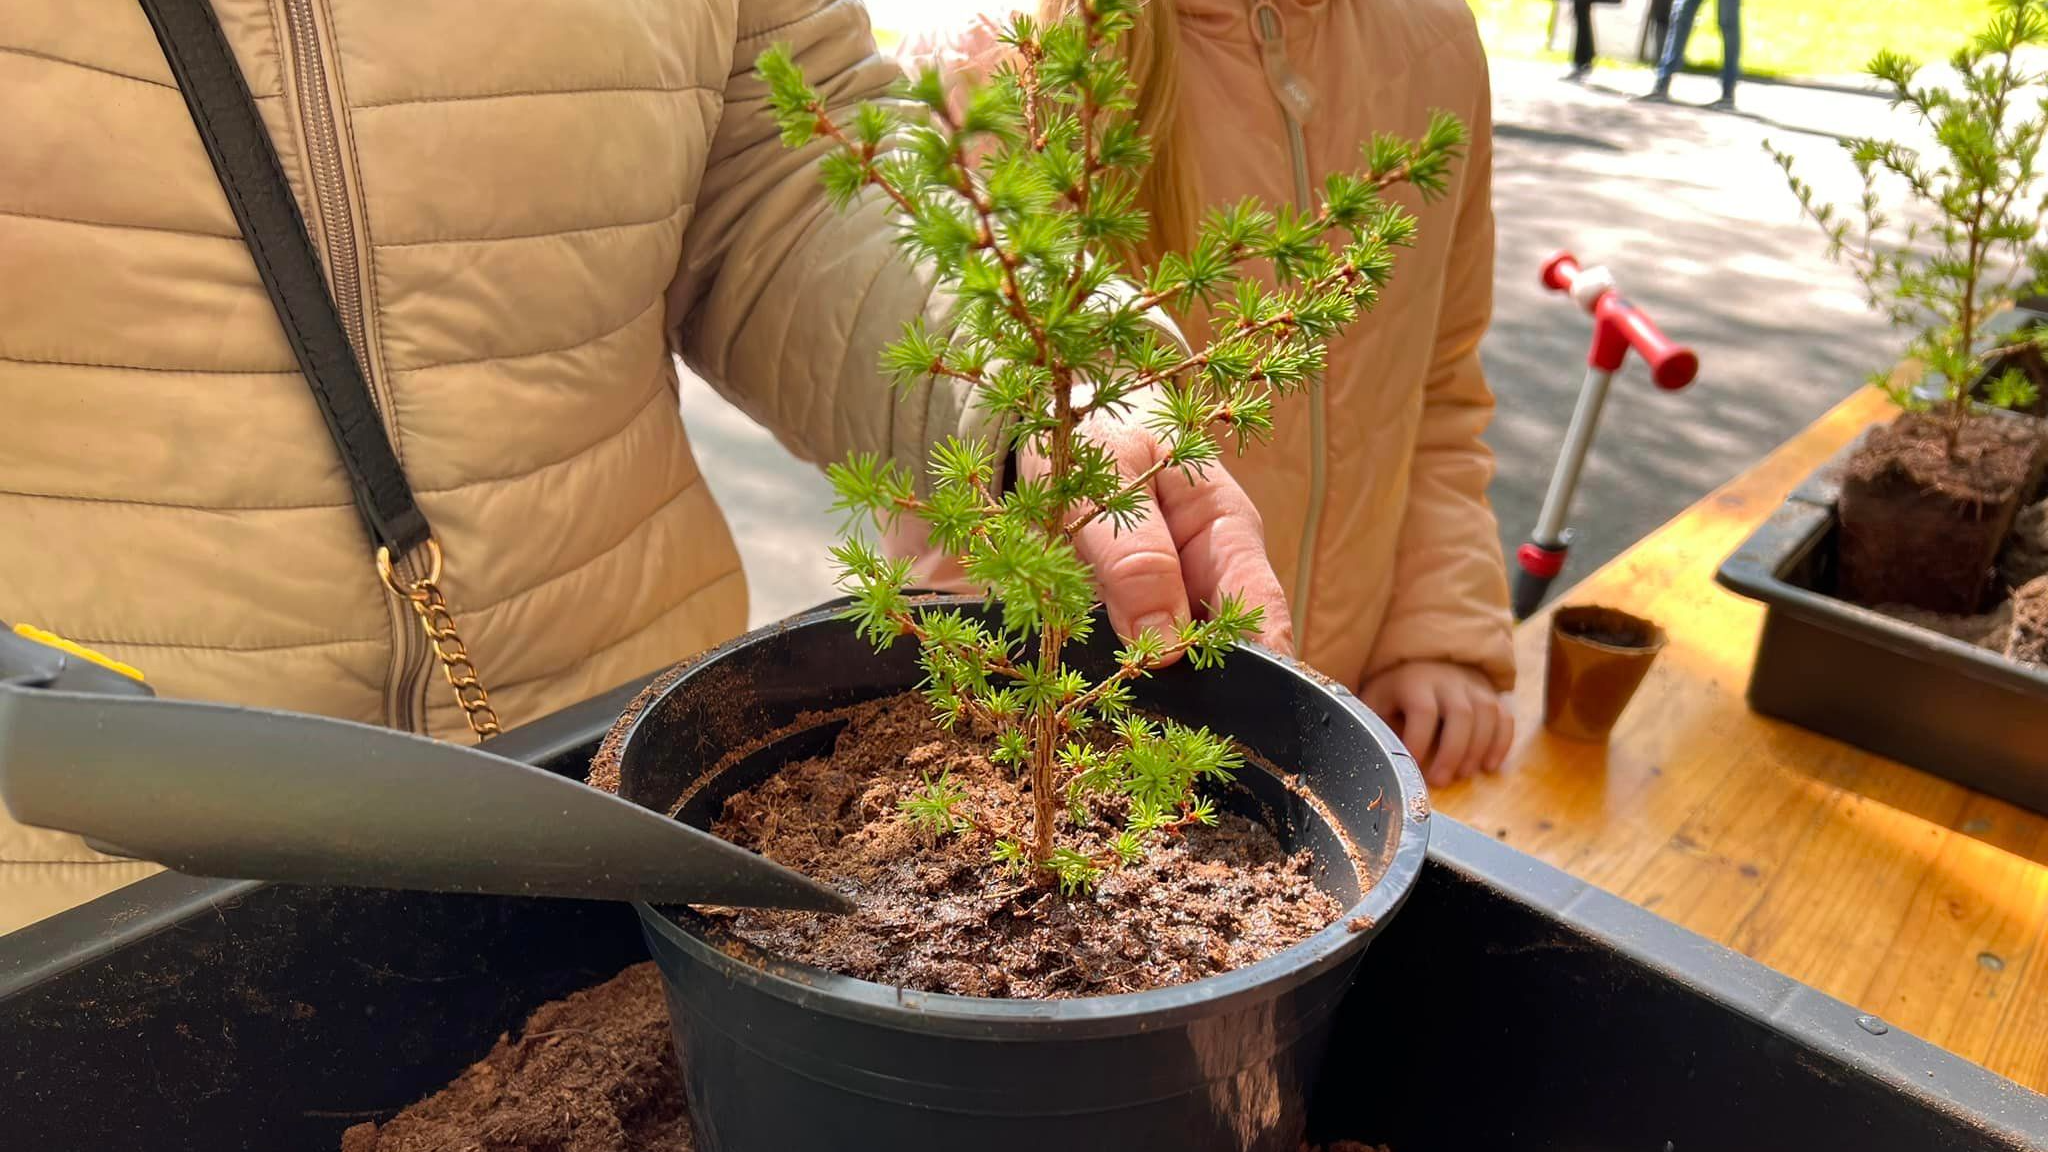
{"x":1617,"y":327}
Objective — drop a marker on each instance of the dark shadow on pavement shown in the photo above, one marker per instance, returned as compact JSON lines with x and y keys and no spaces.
{"x":1540,"y":136}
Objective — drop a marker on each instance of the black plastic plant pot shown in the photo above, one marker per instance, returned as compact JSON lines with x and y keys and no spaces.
{"x":1884,"y":685}
{"x":780,"y":1055}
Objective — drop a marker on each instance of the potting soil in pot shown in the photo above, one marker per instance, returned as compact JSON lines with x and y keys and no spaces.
{"x":935,"y":915}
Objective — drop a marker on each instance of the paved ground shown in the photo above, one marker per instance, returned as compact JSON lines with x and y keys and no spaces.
{"x":1681,"y":202}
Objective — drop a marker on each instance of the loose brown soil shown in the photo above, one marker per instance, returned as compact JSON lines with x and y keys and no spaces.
{"x":1611,"y":637}
{"x":2025,"y":557}
{"x":595,"y":1072}
{"x":1921,"y":525}
{"x":935,"y":916}
{"x":1608,"y":627}
{"x":2028,"y":643}
{"x":1986,"y":630}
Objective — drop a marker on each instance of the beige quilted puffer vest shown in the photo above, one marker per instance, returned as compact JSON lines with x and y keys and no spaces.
{"x":524,"y":210}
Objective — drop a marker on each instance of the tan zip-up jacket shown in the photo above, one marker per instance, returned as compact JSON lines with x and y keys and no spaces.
{"x":1373,"y":489}
{"x":524,"y":210}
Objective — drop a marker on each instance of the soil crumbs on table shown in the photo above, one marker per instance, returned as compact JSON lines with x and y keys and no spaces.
{"x":937,"y":916}
{"x":595,"y":1072}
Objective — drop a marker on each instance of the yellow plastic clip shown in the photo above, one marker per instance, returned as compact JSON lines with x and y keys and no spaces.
{"x":51,"y":639}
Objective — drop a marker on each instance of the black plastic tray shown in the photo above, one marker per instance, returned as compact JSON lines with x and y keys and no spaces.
{"x":1884,"y":685}
{"x":1533,"y":1012}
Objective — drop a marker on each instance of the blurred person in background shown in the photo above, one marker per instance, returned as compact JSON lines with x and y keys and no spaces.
{"x":1729,"y":12}
{"x":1582,"y":41}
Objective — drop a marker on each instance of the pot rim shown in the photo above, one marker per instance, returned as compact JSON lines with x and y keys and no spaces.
{"x":821,"y":989}
{"x":1561,"y":628}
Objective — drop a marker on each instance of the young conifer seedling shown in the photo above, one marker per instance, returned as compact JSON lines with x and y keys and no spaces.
{"x":1022,"y":201}
{"x":1941,"y":281}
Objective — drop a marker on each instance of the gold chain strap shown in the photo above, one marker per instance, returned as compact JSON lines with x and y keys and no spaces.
{"x":424,"y":594}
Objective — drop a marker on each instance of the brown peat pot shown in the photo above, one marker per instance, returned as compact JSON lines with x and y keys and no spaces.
{"x":1597,"y":659}
{"x":778,"y":1055}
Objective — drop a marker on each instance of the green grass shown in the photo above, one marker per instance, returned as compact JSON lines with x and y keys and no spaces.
{"x":1829,"y":39}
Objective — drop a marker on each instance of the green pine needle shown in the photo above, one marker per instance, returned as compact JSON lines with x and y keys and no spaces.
{"x":933,"y":809}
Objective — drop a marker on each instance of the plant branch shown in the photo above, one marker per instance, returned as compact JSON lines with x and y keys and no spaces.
{"x":1090,"y":159}
{"x":1123,"y":672}
{"x":1137,"y":484}
{"x":1028,"y":55}
{"x":984,"y":215}
{"x":975,"y":822}
{"x":941,"y":368}
{"x":867,"y":155}
{"x":1238,"y":254}
{"x":1344,"y":275}
{"x":987,"y":659}
{"x":989,"y":238}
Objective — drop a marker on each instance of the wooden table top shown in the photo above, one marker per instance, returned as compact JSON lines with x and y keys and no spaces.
{"x":1911,"y":897}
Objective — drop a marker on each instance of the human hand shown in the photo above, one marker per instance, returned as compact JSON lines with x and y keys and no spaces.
{"x":1195,"y":542}
{"x":1449,"y":716}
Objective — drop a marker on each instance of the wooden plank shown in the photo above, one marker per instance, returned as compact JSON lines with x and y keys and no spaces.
{"x":1971,"y":931}
{"x":2020,"y":1049}
{"x":1717,"y":867}
{"x":1837,"y":904}
{"x":1900,"y":892}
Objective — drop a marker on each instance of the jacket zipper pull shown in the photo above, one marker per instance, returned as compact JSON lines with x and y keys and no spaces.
{"x":1289,"y":87}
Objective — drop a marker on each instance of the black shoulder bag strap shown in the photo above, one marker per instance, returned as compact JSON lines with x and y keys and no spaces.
{"x":253,"y":178}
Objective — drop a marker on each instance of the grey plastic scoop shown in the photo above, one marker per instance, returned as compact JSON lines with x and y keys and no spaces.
{"x":214,"y":790}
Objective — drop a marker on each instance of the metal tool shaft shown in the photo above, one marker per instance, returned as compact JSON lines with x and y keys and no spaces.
{"x":1571,"y":460}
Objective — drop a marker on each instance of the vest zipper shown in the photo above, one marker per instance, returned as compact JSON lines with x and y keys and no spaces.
{"x":1297,"y":102}
{"x":410,"y":654}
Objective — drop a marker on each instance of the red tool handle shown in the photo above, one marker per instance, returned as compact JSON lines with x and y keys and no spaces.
{"x":1619,"y":325}
{"x":1561,"y":271}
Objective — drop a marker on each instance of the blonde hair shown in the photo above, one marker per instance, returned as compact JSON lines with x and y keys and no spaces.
{"x":1168,"y":192}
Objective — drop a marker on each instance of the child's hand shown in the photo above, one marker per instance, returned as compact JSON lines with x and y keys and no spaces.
{"x":1449,"y":716}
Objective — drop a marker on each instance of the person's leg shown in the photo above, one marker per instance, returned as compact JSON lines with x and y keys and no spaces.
{"x":1582,"y":35}
{"x":1730,"y":12}
{"x":1682,"y":14}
